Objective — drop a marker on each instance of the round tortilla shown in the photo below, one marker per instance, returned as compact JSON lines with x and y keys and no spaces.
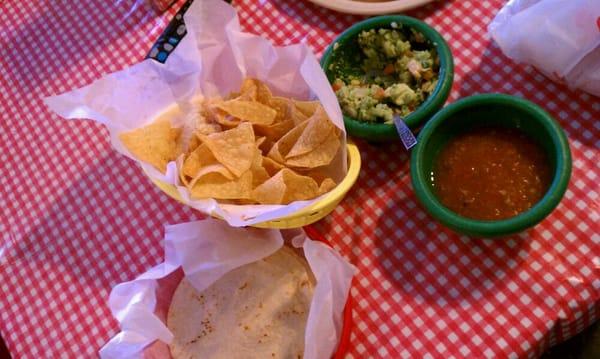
{"x":256,"y":311}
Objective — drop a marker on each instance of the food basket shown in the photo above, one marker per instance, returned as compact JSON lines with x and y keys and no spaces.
{"x":203,"y":251}
{"x":307,"y":215}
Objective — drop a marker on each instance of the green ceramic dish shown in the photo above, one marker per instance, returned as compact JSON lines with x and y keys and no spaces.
{"x":348,"y":46}
{"x":497,"y":110}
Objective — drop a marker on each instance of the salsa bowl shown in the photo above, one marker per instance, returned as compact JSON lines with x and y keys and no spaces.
{"x":502,"y":111}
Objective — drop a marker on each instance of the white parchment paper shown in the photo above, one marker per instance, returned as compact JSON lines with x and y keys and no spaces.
{"x":211,"y":60}
{"x":205,"y":251}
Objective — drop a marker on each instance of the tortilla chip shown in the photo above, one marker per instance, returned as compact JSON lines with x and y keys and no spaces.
{"x":285,"y":187}
{"x":263,"y":93}
{"x":215,"y":185}
{"x":156,"y":143}
{"x":266,"y":145}
{"x":208,"y":128}
{"x":272,"y":167}
{"x":320,"y":156}
{"x":327,"y":185}
{"x":271,"y":191}
{"x":297,"y":116}
{"x":281,"y":107}
{"x":196,"y":159}
{"x":253,"y":112}
{"x":259,"y":172}
{"x":191,"y":165}
{"x":318,"y":129}
{"x":193,"y":143}
{"x":306,"y":107}
{"x":233,"y":148}
{"x":248,"y":90}
{"x":285,"y":143}
{"x":227,"y":122}
{"x":319,"y":174}
{"x":232,"y":95}
{"x":286,"y":110}
{"x":214,"y":168}
{"x":215,"y":118}
{"x":182,"y":177}
{"x":276,"y":130}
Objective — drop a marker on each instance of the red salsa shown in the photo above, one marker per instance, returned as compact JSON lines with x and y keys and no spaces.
{"x":491,"y":173}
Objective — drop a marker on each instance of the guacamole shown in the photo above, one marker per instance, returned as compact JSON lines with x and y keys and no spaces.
{"x":398,"y":71}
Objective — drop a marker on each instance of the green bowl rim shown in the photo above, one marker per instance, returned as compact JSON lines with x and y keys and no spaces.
{"x":511,"y":225}
{"x":433,"y":103}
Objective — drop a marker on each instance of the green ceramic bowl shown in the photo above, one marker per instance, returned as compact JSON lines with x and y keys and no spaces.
{"x":345,"y":54}
{"x":496,"y":110}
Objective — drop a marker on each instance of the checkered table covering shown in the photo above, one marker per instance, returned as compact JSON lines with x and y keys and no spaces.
{"x":77,"y":218}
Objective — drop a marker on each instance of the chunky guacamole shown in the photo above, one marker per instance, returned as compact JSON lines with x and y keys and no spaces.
{"x":398,"y":70}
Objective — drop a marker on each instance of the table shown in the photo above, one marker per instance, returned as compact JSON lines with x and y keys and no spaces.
{"x":77,"y":218}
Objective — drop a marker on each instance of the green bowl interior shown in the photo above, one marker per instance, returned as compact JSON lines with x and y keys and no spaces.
{"x":500,"y":111}
{"x":346,"y":58}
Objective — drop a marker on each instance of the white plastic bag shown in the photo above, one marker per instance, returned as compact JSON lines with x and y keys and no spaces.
{"x":561,"y":38}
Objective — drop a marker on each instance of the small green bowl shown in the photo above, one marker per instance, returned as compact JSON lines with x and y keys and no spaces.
{"x":495,"y":110}
{"x":347,"y":47}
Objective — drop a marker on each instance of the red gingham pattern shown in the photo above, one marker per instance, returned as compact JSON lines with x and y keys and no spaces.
{"x":77,"y":218}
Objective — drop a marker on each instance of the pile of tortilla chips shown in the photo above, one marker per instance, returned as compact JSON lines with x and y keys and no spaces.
{"x":249,"y":148}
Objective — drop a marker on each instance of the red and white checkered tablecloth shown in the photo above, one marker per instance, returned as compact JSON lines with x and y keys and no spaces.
{"x":77,"y":218}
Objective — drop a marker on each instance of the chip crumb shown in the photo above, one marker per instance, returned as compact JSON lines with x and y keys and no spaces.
{"x":336,"y":45}
{"x":394,"y":25}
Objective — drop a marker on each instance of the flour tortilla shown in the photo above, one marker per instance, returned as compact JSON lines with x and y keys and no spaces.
{"x":256,"y":311}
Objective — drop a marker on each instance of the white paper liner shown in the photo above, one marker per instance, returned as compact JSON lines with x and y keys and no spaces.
{"x":205,"y":251}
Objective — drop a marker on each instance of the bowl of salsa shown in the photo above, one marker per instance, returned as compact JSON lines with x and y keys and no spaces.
{"x":388,"y":66}
{"x":490,"y":165}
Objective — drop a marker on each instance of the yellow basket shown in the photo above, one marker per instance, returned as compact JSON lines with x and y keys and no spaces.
{"x":307,"y":215}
